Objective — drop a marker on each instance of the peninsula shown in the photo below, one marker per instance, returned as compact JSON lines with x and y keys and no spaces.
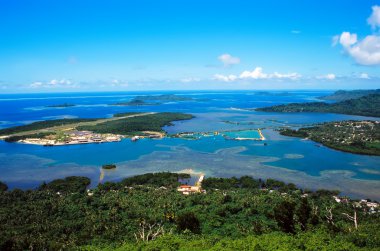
{"x":361,"y":137}
{"x":342,"y":95}
{"x":82,"y":131}
{"x":368,"y":105}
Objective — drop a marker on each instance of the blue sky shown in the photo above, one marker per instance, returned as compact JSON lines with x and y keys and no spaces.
{"x":67,"y":45}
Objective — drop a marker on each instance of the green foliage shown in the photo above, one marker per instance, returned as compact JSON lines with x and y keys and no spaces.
{"x":284,"y":216}
{"x":3,"y":187}
{"x":135,"y":102}
{"x":361,"y":137}
{"x":235,"y":218}
{"x":41,"y":125}
{"x":188,"y":222}
{"x":134,"y":125}
{"x":35,"y":135}
{"x":345,"y":95}
{"x":165,"y":179}
{"x":368,"y":105}
{"x":72,"y":184}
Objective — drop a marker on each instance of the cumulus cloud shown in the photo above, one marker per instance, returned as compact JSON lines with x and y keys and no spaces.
{"x":255,"y":74}
{"x":367,"y":50}
{"x":374,"y":19}
{"x":228,"y":60}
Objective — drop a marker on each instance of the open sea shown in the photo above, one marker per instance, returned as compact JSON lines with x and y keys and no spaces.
{"x":302,"y":162}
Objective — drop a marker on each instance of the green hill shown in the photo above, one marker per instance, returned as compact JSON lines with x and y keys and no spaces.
{"x":368,"y":105}
{"x":146,"y":212}
{"x":342,"y":95}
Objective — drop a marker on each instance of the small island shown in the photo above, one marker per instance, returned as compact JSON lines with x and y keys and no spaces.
{"x":164,"y":97}
{"x":135,"y":102}
{"x":368,"y":105}
{"x":361,"y":137}
{"x":61,"y":105}
{"x":109,"y":166}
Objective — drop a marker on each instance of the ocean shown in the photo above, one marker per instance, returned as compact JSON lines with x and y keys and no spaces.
{"x":303,"y":162}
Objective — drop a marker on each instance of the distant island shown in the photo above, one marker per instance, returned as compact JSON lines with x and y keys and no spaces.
{"x":61,"y":105}
{"x":164,"y":97}
{"x":148,"y":212}
{"x":135,"y":102}
{"x":361,"y":137}
{"x":82,"y":131}
{"x":109,"y":166}
{"x":368,"y":105}
{"x":342,"y":95}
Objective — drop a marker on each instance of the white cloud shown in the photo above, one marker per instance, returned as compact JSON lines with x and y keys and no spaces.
{"x":36,"y":84}
{"x":347,"y":39}
{"x":374,"y":19}
{"x":329,"y":76}
{"x":364,"y":76}
{"x":56,"y":82}
{"x":365,"y":52}
{"x":255,"y":74}
{"x":228,"y":60}
{"x":296,"y":31}
{"x":225,"y":78}
{"x":190,"y":79}
{"x":335,"y":40}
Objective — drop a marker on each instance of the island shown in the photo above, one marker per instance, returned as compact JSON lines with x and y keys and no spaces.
{"x":109,"y":166}
{"x":164,"y":97}
{"x":84,"y":131}
{"x":151,"y":212}
{"x":61,"y":105}
{"x":361,"y":137}
{"x":135,"y":102}
{"x":368,"y":105}
{"x":342,"y":95}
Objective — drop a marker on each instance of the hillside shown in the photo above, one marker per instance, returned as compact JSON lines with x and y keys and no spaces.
{"x":342,"y":95}
{"x":362,"y":137}
{"x":364,"y":106}
{"x":146,"y":212}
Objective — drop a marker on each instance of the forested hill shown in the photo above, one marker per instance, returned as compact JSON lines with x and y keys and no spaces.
{"x":368,"y":105}
{"x":146,"y":212}
{"x":342,"y":95}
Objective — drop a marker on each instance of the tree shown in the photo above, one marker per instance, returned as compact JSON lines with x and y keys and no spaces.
{"x":303,"y":213}
{"x":188,"y":221}
{"x":3,"y":187}
{"x":284,"y":216}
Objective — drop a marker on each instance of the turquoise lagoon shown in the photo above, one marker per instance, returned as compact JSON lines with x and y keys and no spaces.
{"x":302,"y":162}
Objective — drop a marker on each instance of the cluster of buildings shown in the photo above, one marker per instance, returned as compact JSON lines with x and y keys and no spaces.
{"x":373,"y":207}
{"x":73,"y":137}
{"x":197,"y":188}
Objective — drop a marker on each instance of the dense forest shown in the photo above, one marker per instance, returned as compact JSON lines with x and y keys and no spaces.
{"x":146,"y":212}
{"x":345,"y":95}
{"x":364,"y":106}
{"x":361,"y":137}
{"x":135,"y":125}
